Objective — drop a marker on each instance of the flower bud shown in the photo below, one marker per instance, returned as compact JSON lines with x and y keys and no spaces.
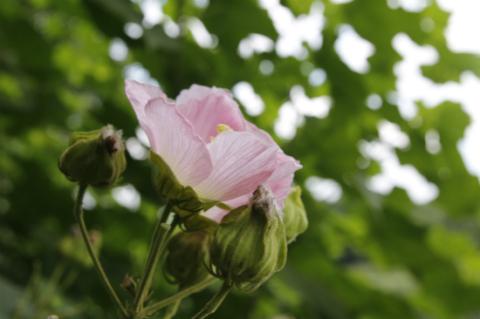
{"x":187,"y":251}
{"x":94,"y":158}
{"x":294,"y":215}
{"x":249,"y":245}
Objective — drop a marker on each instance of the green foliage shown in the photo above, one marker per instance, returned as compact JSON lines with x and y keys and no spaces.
{"x":365,"y":256}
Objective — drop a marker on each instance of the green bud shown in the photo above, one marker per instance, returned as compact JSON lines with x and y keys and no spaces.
{"x":250,"y":244}
{"x":94,"y":158}
{"x":187,"y":251}
{"x":184,"y":199}
{"x":294,"y":215}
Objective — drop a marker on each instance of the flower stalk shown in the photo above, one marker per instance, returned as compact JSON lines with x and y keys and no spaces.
{"x":172,"y":310}
{"x":182,"y":294}
{"x":162,"y":233}
{"x":78,"y":212}
{"x":212,"y":305}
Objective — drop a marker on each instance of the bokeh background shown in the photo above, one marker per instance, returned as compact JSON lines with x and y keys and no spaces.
{"x":378,"y":100}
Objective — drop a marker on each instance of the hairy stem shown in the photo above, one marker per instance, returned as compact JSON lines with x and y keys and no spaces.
{"x":171,"y":310}
{"x":178,"y":296}
{"x":78,"y":212}
{"x":162,"y":232}
{"x":212,"y":305}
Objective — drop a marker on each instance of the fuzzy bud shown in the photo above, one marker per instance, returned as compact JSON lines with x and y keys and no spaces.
{"x":94,"y":158}
{"x":249,"y":245}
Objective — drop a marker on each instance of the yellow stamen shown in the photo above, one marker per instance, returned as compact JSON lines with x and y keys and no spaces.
{"x":220,"y":129}
{"x":223,"y":128}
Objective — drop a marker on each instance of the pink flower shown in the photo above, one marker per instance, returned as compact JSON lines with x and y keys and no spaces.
{"x":220,"y":164}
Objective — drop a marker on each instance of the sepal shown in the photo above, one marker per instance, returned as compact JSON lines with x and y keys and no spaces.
{"x":199,"y":222}
{"x":294,"y":215}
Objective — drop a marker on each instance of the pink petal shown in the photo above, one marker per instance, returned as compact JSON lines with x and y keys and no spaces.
{"x":139,"y":94}
{"x":207,"y":107}
{"x":280,"y":182}
{"x":241,"y":162}
{"x":261,"y":134}
{"x":172,"y":137}
{"x":215,"y":213}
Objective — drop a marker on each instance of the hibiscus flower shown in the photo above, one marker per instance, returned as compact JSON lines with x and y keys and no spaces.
{"x":210,"y":147}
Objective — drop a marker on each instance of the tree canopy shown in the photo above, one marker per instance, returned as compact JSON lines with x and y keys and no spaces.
{"x":370,"y":252}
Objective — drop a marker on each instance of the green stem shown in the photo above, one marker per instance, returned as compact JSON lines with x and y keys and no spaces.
{"x":78,"y":212}
{"x":178,"y":296}
{"x":213,"y":304}
{"x":171,"y":311}
{"x":160,"y":238}
{"x":156,"y":235}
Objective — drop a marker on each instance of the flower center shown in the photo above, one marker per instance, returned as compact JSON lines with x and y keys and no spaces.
{"x":223,"y":128}
{"x":220,"y":129}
